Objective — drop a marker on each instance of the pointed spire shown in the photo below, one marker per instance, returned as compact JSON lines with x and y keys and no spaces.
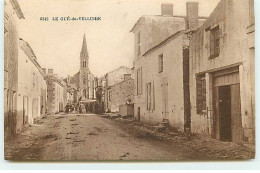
{"x":84,"y":45}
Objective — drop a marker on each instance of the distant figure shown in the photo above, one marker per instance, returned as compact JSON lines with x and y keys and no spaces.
{"x":80,"y":108}
{"x":86,"y":107}
{"x":67,"y":108}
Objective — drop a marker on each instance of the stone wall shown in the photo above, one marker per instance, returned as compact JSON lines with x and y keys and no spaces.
{"x":232,"y":18}
{"x":120,"y":93}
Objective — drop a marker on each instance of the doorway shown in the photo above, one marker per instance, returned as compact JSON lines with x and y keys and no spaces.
{"x":225,"y":113}
{"x":227,"y":118}
{"x":138,"y":114}
{"x":25,"y":110}
{"x":165,"y":113}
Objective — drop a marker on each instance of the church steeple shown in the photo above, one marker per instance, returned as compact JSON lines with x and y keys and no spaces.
{"x":84,"y":49}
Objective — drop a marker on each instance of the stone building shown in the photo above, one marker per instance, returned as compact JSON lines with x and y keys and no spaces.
{"x":113,"y":78}
{"x":120,"y":94}
{"x":222,"y":73}
{"x":32,"y":87}
{"x":12,"y":15}
{"x":55,"y":93}
{"x":162,"y":66}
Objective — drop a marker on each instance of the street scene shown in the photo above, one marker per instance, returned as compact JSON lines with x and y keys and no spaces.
{"x":169,"y":81}
{"x":93,"y":137}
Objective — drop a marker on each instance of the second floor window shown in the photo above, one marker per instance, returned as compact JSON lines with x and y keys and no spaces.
{"x":160,"y":63}
{"x":214,"y":42}
{"x":127,"y":77}
{"x":139,"y":81}
{"x":138,"y":44}
{"x":84,"y":81}
{"x":109,"y":95}
{"x":84,"y":63}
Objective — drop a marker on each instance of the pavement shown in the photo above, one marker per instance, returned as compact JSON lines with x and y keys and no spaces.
{"x":85,"y":137}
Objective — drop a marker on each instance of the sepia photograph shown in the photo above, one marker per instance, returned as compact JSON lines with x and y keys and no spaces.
{"x":129,"y":80}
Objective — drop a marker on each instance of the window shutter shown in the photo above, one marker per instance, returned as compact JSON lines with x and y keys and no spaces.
{"x":212,"y":39}
{"x":153,"y":97}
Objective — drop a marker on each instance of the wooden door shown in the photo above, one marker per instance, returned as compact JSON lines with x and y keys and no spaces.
{"x":165,"y":112}
{"x":138,"y":114}
{"x":236,"y":122}
{"x":216,"y":116}
{"x":224,"y":100}
{"x":25,"y":110}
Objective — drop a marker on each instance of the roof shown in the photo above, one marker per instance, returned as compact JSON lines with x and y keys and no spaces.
{"x":211,"y":16}
{"x":159,"y":16}
{"x":117,"y":69}
{"x":17,"y":9}
{"x":31,"y":55}
{"x":55,"y":79}
{"x":165,"y":41}
{"x":84,"y":45}
{"x":109,"y":87}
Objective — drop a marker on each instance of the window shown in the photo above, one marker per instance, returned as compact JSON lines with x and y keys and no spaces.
{"x":84,"y":63}
{"x":109,"y":95}
{"x":138,"y":44}
{"x":201,"y":94}
{"x":150,"y":100}
{"x":160,"y":63}
{"x":214,"y":42}
{"x":251,"y":12}
{"x":84,"y":81}
{"x":127,"y":77}
{"x":139,"y":81}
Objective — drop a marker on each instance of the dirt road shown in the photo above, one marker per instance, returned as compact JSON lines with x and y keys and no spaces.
{"x":91,"y":137}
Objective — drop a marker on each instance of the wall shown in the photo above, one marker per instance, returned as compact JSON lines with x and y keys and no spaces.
{"x":173,"y":70}
{"x":232,"y":17}
{"x":116,"y":76}
{"x":120,"y":93}
{"x":113,"y":78}
{"x":155,"y":29}
{"x":55,"y":91}
{"x":11,"y":37}
{"x":32,"y":90}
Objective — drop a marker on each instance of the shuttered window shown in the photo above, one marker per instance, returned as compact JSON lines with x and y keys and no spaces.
{"x":214,"y":42}
{"x":201,"y":94}
{"x":150,"y":96}
{"x":160,"y":63}
{"x":138,"y":44}
{"x":139,"y":81}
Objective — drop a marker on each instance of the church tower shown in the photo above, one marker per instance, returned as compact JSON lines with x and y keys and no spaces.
{"x":84,"y":71}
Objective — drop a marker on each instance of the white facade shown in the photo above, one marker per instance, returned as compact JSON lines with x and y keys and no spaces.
{"x":32,"y":87}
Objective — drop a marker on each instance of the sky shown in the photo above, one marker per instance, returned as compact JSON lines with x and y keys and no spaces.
{"x":57,"y":44}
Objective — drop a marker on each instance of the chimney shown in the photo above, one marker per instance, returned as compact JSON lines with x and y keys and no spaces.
{"x":192,"y":10}
{"x":50,"y":72}
{"x":167,"y":9}
{"x":44,"y":70}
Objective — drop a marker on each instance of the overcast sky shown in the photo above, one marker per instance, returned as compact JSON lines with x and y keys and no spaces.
{"x":57,"y":44}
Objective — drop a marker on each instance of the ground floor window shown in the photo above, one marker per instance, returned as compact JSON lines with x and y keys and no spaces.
{"x":150,"y":99}
{"x":201,"y":94}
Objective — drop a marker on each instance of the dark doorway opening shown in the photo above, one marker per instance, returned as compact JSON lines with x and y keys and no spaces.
{"x":138,"y":114}
{"x":225,"y":113}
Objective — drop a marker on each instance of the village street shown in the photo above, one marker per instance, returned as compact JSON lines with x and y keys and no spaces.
{"x":91,"y":137}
